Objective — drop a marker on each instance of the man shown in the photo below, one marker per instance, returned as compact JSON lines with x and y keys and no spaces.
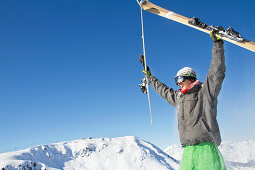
{"x":196,"y":105}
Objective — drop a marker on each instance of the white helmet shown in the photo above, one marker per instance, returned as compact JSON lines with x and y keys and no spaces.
{"x":185,"y":73}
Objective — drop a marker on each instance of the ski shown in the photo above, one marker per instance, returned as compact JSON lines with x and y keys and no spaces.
{"x":229,"y":35}
{"x":144,"y":86}
{"x":142,"y":59}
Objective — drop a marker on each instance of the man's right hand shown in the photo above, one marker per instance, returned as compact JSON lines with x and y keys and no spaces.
{"x":148,"y":72}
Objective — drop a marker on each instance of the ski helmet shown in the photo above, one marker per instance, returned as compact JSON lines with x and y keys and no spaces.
{"x":185,"y":73}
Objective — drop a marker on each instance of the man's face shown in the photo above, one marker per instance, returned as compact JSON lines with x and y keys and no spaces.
{"x":185,"y":84}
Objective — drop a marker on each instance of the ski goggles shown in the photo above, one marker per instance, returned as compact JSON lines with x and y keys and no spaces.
{"x":180,"y":79}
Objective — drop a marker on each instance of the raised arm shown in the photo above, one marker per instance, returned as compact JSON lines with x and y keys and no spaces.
{"x":216,"y":74}
{"x":167,"y":93}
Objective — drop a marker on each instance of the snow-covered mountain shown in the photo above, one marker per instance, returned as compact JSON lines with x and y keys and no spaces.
{"x":125,"y":153}
{"x":237,"y":155}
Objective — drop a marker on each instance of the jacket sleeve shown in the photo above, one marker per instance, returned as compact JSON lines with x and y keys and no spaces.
{"x":216,"y":73}
{"x":167,"y":93}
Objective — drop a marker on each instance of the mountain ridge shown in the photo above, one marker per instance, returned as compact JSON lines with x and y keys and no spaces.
{"x":100,"y":153}
{"x":125,"y":153}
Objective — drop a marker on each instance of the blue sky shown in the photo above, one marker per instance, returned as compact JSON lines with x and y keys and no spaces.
{"x":69,"y":69}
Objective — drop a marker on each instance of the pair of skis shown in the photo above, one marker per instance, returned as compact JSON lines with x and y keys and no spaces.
{"x":229,"y":35}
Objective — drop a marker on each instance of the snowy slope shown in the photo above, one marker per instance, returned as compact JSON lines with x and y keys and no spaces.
{"x":125,"y":153}
{"x":237,"y":155}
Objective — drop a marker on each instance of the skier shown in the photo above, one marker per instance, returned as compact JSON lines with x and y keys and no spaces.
{"x":196,"y":105}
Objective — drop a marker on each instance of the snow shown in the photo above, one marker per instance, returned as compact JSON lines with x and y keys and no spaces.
{"x":237,"y":155}
{"x":125,"y":153}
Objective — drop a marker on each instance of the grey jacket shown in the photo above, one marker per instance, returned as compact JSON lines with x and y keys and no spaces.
{"x":197,"y":109}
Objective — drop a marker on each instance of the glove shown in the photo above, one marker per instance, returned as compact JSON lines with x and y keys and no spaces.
{"x":148,"y":72}
{"x":214,"y":37}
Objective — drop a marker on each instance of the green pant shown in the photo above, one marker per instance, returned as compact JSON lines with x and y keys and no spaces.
{"x":204,"y":156}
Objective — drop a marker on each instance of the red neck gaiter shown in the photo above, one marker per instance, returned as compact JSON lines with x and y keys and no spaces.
{"x":184,"y":91}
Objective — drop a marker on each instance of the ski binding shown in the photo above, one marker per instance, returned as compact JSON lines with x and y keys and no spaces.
{"x":230,"y":33}
{"x":143,"y":86}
